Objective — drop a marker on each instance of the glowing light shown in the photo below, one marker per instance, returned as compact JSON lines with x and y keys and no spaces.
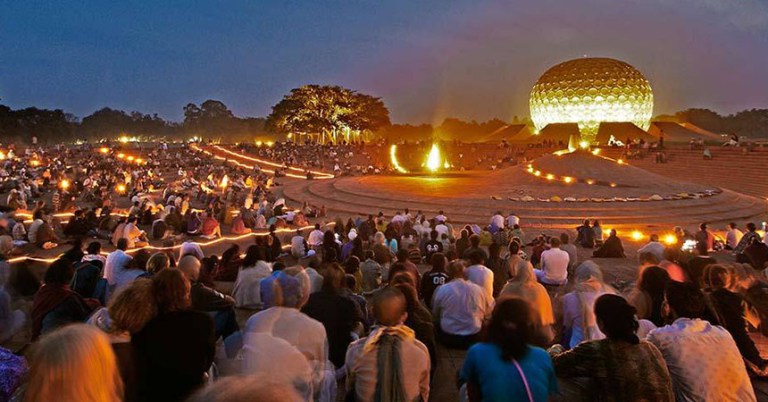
{"x":596,"y":151}
{"x":588,"y":91}
{"x":64,"y":184}
{"x":269,"y":143}
{"x":224,"y":182}
{"x":568,"y":179}
{"x":124,"y":139}
{"x":550,"y":177}
{"x":2,"y":155}
{"x":433,"y":159}
{"x":620,"y":161}
{"x":139,"y":161}
{"x":104,"y":150}
{"x":637,"y":235}
{"x":120,"y":155}
{"x":670,"y":239}
{"x":613,"y":184}
{"x":537,"y":173}
{"x":130,"y":158}
{"x":121,"y":188}
{"x":590,"y":181}
{"x":583,"y":144}
{"x":290,"y":135}
{"x":393,"y":159}
{"x":317,"y":174}
{"x":34,"y":162}
{"x":259,"y":143}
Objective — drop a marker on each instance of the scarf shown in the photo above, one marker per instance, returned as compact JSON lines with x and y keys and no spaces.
{"x":47,"y":298}
{"x":389,"y":377}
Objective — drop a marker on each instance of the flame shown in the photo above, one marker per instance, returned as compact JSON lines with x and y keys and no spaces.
{"x":393,"y":159}
{"x":224,"y":182}
{"x":104,"y":150}
{"x":434,"y":160}
{"x":121,"y":188}
{"x":64,"y":184}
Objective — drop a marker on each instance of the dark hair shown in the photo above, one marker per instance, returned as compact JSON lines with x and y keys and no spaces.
{"x":230,"y":254}
{"x":685,"y":299}
{"x":476,"y":257}
{"x":474,"y":240}
{"x":139,"y":260}
{"x":122,"y":243}
{"x":564,"y":239}
{"x":171,"y":288}
{"x":278,"y":266}
{"x":60,"y":272}
{"x":388,"y":318}
{"x":751,"y":227}
{"x":511,"y":327}
{"x":402,"y":254}
{"x":252,"y":255}
{"x":494,"y":250}
{"x":439,"y":262}
{"x":349,"y":281}
{"x":94,"y":247}
{"x":514,"y":247}
{"x":554,"y":242}
{"x":617,"y":317}
{"x":352,"y":265}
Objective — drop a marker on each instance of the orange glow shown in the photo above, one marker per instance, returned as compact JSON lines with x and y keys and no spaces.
{"x":104,"y":150}
{"x":568,"y":179}
{"x":34,"y":162}
{"x":120,"y":155}
{"x":121,"y":188}
{"x":224,"y":182}
{"x":64,"y":184}
{"x":590,"y":181}
{"x":637,"y":235}
{"x":130,"y":158}
{"x":550,"y":177}
{"x":620,"y":161}
{"x":670,"y":239}
{"x":2,"y":155}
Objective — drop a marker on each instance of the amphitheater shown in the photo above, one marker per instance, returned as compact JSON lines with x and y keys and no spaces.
{"x":638,"y":194}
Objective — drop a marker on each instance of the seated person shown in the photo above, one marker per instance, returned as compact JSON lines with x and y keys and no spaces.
{"x":238,"y":226}
{"x":611,"y":248}
{"x":210,"y":227}
{"x":55,"y":304}
{"x":219,"y":306}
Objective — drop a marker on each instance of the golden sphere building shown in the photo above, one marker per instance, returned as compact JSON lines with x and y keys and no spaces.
{"x":589,"y":91}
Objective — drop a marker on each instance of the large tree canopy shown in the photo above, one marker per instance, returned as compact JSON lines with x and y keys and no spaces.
{"x":327,"y":110}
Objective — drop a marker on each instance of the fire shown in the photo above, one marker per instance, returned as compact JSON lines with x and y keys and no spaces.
{"x":121,"y":188}
{"x":64,"y":184}
{"x":224,"y":182}
{"x":670,"y":239}
{"x":393,"y":159}
{"x":434,"y":160}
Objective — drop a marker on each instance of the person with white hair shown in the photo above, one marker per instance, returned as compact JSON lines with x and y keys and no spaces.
{"x":286,"y":322}
{"x":191,"y":248}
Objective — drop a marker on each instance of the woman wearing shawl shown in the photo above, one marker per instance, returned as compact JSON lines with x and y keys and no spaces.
{"x":523,"y":285}
{"x":55,"y":304}
{"x":579,"y":322}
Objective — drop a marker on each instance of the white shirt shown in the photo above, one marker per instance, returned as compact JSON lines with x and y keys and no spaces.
{"x":733,"y":237}
{"x":497,"y":220}
{"x":703,"y":361}
{"x":654,"y":248}
{"x":481,"y":276}
{"x":461,"y":306}
{"x":117,"y":262}
{"x":247,"y":289}
{"x":441,"y":230}
{"x":315,"y":237}
{"x":513,"y":220}
{"x":554,"y":263}
{"x":304,"y":333}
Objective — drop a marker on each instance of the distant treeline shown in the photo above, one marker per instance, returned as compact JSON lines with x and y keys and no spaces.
{"x":212,"y":119}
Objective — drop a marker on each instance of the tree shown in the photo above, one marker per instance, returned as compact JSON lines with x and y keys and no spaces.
{"x":328,"y":111}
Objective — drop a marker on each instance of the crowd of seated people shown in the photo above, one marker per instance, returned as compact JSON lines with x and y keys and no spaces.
{"x":347,"y":312}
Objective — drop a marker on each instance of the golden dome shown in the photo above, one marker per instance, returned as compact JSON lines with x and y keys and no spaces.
{"x":589,"y":91}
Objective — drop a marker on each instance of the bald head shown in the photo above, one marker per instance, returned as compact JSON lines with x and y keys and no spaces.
{"x":389,"y":307}
{"x":189,"y":265}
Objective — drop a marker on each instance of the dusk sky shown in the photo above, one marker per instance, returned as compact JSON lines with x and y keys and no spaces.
{"x":426,"y":59}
